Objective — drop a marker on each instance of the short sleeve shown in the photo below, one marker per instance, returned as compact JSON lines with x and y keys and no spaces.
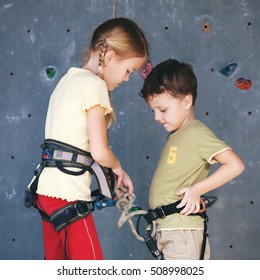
{"x":209,"y":145}
{"x":96,"y":94}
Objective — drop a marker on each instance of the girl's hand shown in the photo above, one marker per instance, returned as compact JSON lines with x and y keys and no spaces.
{"x":123,"y":178}
{"x":127,"y":182}
{"x":190,"y":201}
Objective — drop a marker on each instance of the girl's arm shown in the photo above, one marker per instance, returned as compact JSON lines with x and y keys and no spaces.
{"x":99,"y":147}
{"x":231,"y":167}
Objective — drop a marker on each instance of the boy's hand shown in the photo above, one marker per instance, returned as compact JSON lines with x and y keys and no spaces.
{"x":190,"y":201}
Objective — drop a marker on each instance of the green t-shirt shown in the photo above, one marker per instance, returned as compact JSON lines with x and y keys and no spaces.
{"x":185,"y":159}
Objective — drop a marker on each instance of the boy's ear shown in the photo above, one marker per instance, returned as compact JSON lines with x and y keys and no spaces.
{"x":187,"y":101}
{"x":109,"y":56}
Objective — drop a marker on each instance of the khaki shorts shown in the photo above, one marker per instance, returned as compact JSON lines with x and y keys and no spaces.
{"x":182,"y":244}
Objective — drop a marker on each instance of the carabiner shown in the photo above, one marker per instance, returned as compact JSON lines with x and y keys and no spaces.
{"x":202,"y":206}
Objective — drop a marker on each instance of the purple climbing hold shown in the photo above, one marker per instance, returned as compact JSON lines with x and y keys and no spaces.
{"x":145,"y":71}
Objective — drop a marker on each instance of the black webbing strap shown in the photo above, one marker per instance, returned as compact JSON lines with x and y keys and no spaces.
{"x":165,"y":210}
{"x":205,"y":235}
{"x":162,"y":212}
{"x":152,"y":246}
{"x":149,"y":239}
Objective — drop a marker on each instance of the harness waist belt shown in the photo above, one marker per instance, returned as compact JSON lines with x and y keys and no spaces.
{"x":55,"y":151}
{"x":62,"y":155}
{"x":165,"y":210}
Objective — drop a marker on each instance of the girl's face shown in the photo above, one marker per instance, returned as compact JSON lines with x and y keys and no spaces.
{"x":172,"y":113}
{"x":118,"y":70}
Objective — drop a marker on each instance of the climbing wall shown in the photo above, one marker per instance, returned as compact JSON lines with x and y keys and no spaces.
{"x":40,"y":40}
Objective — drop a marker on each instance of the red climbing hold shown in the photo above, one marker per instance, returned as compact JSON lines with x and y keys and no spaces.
{"x":145,"y":71}
{"x":243,"y":84}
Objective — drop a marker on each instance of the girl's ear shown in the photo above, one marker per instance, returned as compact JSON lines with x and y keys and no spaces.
{"x":109,"y":56}
{"x":187,"y":101}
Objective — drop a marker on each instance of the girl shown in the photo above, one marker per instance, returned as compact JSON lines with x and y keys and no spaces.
{"x":79,"y":114}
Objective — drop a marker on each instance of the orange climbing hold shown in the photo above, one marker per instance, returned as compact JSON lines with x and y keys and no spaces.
{"x":206,"y":27}
{"x":243,"y":84}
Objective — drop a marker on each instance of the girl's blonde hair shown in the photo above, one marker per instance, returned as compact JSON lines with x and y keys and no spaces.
{"x":121,"y":35}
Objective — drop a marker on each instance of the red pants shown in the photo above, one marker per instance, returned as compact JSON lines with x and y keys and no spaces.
{"x":80,"y":238}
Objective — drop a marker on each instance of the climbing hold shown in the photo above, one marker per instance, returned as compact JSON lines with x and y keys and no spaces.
{"x":133,"y":209}
{"x":145,"y":71}
{"x":206,"y":27}
{"x":50,"y":71}
{"x":243,"y":84}
{"x":228,"y":69}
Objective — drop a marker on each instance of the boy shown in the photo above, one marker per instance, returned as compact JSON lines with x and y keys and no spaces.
{"x":182,"y":172}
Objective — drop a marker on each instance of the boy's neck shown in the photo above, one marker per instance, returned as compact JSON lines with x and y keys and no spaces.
{"x":190,"y":118}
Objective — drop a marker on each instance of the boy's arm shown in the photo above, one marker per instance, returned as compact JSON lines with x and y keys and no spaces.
{"x":231,"y":167}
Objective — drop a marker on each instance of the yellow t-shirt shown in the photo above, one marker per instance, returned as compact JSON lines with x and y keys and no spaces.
{"x":185,"y":159}
{"x":66,"y":121}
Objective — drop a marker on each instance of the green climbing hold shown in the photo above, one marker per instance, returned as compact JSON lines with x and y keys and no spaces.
{"x":50,"y":71}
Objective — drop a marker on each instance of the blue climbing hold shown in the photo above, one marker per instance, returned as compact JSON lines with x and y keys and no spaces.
{"x":229,"y":69}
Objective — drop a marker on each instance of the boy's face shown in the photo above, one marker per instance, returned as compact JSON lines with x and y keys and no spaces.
{"x":172,"y":113}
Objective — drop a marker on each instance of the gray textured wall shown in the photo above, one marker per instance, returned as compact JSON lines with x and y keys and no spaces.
{"x":209,"y":34}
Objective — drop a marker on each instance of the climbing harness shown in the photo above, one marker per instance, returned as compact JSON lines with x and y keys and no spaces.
{"x":63,"y":156}
{"x":125,"y":205}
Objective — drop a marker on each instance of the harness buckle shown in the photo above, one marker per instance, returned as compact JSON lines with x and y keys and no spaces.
{"x":83,"y":208}
{"x":39,"y":169}
{"x":161,"y":213}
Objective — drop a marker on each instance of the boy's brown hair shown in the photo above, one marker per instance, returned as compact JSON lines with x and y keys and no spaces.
{"x":172,"y":76}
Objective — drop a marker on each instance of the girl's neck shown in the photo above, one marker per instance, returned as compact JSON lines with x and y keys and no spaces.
{"x":92,"y":63}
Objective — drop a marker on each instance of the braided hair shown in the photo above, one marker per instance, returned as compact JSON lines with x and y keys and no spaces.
{"x":121,"y":35}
